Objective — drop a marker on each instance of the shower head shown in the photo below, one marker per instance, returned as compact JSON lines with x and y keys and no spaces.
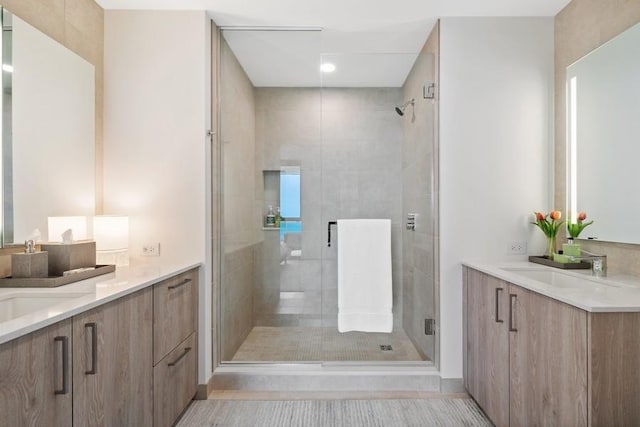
{"x":400,"y":110}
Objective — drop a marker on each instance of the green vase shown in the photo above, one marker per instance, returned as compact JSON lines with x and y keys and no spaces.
{"x":551,"y":246}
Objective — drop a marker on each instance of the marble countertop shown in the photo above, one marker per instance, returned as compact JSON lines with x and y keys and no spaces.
{"x":81,"y":296}
{"x":614,"y":293}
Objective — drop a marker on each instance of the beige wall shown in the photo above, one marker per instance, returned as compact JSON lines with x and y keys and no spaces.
{"x":579,"y":28}
{"x":420,"y":195}
{"x":79,"y":26}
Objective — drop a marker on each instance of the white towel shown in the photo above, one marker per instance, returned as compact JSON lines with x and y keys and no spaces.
{"x":365,"y":298}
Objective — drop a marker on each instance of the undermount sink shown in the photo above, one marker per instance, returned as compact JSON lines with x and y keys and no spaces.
{"x":557,"y":279}
{"x":20,"y":304}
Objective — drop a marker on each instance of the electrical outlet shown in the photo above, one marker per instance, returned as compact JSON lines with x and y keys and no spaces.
{"x":517,"y":248}
{"x":151,"y":249}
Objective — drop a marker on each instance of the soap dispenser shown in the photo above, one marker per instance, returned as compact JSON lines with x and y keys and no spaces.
{"x":270,"y":220}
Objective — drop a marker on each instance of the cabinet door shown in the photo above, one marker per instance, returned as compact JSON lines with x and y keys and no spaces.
{"x":175,"y":312}
{"x":548,"y":347}
{"x":113,"y":363}
{"x":175,"y":382}
{"x":487,"y":344}
{"x":35,"y":388}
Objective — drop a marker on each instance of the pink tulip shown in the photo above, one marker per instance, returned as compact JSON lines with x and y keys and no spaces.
{"x":539,"y":216}
{"x":555,"y":215}
{"x":582,"y":216}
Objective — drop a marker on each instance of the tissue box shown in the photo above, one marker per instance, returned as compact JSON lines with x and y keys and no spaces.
{"x":25,"y":265}
{"x":69,"y":256}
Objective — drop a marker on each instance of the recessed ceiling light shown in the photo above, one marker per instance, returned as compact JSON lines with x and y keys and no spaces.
{"x":327,"y":67}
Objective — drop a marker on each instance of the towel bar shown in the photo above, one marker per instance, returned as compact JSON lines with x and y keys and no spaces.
{"x":329,"y":224}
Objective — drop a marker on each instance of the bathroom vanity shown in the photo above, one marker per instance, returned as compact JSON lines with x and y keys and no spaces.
{"x":116,"y":350}
{"x":544,"y":347}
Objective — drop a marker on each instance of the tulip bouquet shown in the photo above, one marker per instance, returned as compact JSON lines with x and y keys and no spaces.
{"x":576,"y":228}
{"x":549,"y":224}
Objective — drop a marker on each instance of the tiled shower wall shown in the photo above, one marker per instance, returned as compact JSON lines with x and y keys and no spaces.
{"x":242,"y":194}
{"x":420,"y":196}
{"x":348,"y":144}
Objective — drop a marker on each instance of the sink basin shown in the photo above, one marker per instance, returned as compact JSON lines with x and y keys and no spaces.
{"x":20,"y":304}
{"x":556,"y":279}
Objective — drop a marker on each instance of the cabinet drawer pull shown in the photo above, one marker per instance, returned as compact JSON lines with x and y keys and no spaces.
{"x":94,"y":348}
{"x":184,"y":282}
{"x":184,"y":353}
{"x":498,"y":319}
{"x":65,"y":365}
{"x":512,"y":300}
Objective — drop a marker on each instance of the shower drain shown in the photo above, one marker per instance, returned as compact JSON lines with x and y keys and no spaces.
{"x":386,"y":347}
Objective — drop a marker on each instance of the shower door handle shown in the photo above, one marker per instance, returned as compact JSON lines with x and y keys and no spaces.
{"x":329,"y":224}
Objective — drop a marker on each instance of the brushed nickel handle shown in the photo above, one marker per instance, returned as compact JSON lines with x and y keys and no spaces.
{"x":498,"y":320}
{"x":65,"y":365}
{"x":184,"y":353}
{"x":184,"y":282}
{"x":512,"y":300}
{"x":94,"y":347}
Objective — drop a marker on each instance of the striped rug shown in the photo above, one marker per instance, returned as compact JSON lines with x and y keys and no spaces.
{"x":334,"y":413}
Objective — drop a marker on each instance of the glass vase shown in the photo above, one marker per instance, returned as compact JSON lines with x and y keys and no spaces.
{"x":551,"y":246}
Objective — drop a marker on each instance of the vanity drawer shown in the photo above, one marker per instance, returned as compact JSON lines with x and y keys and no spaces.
{"x":174,"y":382}
{"x":174,"y":312}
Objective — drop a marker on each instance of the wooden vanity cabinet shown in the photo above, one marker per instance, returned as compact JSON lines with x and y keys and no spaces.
{"x":113,"y":363}
{"x":35,"y":378}
{"x":526,"y":354}
{"x":99,"y":368}
{"x":175,"y":346}
{"x":487,"y":344}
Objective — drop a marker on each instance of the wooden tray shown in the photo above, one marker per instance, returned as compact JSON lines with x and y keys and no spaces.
{"x":545,"y":260}
{"x":55,"y":281}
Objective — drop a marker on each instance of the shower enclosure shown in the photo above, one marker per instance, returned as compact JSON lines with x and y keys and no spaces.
{"x":300,"y":148}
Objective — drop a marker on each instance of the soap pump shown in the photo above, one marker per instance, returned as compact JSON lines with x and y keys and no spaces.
{"x":270,"y":220}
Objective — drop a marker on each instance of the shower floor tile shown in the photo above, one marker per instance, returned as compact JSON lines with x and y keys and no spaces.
{"x":317,"y":344}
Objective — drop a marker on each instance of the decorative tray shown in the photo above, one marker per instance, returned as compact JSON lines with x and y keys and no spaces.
{"x":545,"y":260}
{"x":54,"y":281}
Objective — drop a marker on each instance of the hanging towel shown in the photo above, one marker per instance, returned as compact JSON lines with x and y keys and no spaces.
{"x":365,"y":298}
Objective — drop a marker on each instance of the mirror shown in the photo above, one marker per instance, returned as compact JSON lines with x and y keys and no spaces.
{"x":603,"y":130}
{"x":48,"y":136}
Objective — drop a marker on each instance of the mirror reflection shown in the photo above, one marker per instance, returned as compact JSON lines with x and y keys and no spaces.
{"x":48,"y":134}
{"x":603,"y":106}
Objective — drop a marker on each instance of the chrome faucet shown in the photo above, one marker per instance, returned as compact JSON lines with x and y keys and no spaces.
{"x":598,"y":262}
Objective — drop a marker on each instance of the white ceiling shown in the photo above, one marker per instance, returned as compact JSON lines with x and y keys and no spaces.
{"x":371,"y":42}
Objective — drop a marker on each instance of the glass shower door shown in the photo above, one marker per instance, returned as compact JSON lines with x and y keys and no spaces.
{"x":379,"y":164}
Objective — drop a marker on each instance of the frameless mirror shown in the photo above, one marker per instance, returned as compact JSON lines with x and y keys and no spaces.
{"x":48,"y":137}
{"x":603,"y":130}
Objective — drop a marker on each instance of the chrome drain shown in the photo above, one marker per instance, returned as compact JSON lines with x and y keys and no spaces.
{"x":386,"y":347}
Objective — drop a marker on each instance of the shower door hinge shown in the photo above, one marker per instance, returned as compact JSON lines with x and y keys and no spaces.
{"x":429,"y":326}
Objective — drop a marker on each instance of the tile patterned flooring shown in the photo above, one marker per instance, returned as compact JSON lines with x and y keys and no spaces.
{"x":316,"y":344}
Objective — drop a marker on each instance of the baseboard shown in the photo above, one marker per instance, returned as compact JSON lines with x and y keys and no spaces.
{"x":204,"y":390}
{"x":452,"y":385}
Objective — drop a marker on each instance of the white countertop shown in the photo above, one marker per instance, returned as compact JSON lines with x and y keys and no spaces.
{"x":91,"y":293}
{"x":615,"y":293}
